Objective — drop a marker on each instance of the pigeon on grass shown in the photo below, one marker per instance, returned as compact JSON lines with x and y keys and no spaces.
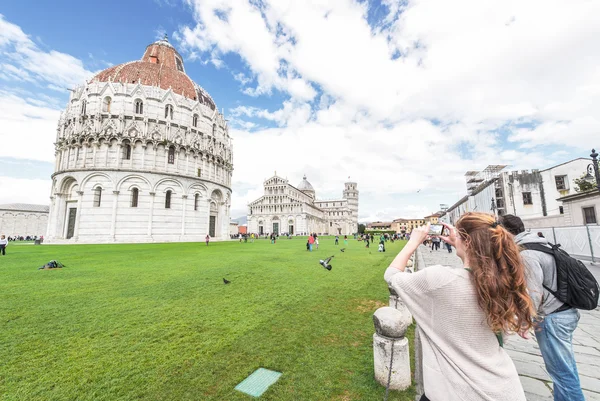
{"x":343,"y":249}
{"x":226,"y":281}
{"x":325,"y":263}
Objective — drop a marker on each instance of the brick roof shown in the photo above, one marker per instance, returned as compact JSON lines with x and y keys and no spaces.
{"x":25,"y":207}
{"x":161,"y":66}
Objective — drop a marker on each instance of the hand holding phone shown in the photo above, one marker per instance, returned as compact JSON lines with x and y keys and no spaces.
{"x":436,"y":229}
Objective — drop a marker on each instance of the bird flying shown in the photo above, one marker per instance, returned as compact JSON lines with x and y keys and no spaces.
{"x":325,"y":263}
{"x":226,"y":281}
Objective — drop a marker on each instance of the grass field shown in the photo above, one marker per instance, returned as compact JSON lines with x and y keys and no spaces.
{"x":156,"y":322}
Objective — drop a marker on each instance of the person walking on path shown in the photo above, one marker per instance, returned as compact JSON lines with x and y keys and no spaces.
{"x":556,"y":320}
{"x":311,"y":241}
{"x":463,"y":313}
{"x":3,"y":245}
{"x":207,"y":239}
{"x":337,"y":239}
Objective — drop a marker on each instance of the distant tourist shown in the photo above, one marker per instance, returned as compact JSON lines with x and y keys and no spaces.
{"x":3,"y":245}
{"x":317,"y":242}
{"x":252,"y":238}
{"x":207,"y":239}
{"x":311,"y":241}
{"x":381,"y":247}
{"x":240,"y":237}
{"x":557,"y":320}
{"x":337,"y":240}
{"x":474,"y":307}
{"x":307,"y":244}
{"x":346,"y":240}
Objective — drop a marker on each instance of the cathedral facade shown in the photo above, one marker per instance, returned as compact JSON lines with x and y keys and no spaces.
{"x":285,"y":209}
{"x":142,"y":155}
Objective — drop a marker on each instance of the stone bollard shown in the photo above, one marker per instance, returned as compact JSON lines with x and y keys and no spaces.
{"x":390,"y":345}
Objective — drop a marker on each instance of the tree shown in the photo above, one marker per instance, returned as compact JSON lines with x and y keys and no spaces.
{"x":581,"y":185}
{"x":361,"y":228}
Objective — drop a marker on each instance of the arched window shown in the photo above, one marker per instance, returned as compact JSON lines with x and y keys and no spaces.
{"x":83,"y":107}
{"x":127,"y":151}
{"x":168,"y":200}
{"x":171,"y":155}
{"x":169,"y":111}
{"x":139,"y":107}
{"x":195,"y":120}
{"x":106,"y":104}
{"x":135,"y":194}
{"x":196,"y":201}
{"x":97,"y":197}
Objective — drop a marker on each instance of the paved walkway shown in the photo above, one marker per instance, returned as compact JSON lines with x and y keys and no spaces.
{"x":526,"y":353}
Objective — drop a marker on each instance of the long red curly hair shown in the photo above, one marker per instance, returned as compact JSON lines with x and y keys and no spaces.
{"x":498,"y":273}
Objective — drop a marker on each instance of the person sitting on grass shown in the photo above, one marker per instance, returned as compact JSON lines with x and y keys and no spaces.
{"x":463,"y":313}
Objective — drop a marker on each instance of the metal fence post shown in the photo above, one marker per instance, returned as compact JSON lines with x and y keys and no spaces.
{"x":587,"y":228}
{"x":554,"y":234}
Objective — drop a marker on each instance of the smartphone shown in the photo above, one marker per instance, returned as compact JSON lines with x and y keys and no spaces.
{"x":436,"y":229}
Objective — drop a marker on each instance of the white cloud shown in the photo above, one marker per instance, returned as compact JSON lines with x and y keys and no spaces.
{"x":18,"y":190}
{"x":475,"y":68}
{"x":27,"y":128}
{"x":54,"y":67}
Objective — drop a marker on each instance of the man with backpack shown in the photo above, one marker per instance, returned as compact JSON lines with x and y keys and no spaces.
{"x":558,"y":285}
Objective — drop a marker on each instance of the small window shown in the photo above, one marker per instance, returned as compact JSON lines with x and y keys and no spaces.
{"x":127,"y":151}
{"x":169,"y":111}
{"x":527,"y":198}
{"x":561,"y":182}
{"x":168,"y":200}
{"x":106,"y":103}
{"x":196,"y":201}
{"x":179,"y":64}
{"x":135,"y":193}
{"x":171,"y":155}
{"x":589,"y":215}
{"x":83,"y":107}
{"x":561,"y":210}
{"x":195,"y":120}
{"x":214,"y":132}
{"x":97,"y":197}
{"x":199,"y":172}
{"x":139,"y":107}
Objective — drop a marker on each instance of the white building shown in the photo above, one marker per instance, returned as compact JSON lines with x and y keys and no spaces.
{"x":22,"y":219}
{"x":533,"y":196}
{"x":142,"y":155}
{"x":285,"y":209}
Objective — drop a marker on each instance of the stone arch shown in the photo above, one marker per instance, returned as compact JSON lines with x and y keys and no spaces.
{"x":66,"y":184}
{"x":217,"y":195}
{"x":195,"y":188}
{"x":85,"y":181}
{"x":164,"y":180}
{"x":134,"y":176}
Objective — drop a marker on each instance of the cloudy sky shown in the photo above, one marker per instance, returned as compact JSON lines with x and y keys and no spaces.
{"x":402,"y":96}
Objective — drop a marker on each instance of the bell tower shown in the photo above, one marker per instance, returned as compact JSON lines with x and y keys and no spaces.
{"x":351,"y":194}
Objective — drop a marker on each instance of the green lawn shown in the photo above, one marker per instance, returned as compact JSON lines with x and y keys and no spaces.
{"x":156,"y":322}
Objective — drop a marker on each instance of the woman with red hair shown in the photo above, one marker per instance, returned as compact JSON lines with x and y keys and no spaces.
{"x":463,"y":313}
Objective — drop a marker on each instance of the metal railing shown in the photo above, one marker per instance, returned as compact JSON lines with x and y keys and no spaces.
{"x":581,"y":242}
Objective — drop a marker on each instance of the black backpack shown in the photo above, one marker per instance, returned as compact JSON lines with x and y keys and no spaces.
{"x":576,"y":286}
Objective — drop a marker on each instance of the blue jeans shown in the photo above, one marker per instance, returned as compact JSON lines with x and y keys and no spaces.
{"x":310,"y":247}
{"x":555,"y":338}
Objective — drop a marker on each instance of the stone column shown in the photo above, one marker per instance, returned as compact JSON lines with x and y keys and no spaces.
{"x":151,"y":213}
{"x":390,"y":348}
{"x":119,"y":155}
{"x":184,"y":205}
{"x":113,"y":223}
{"x":78,"y":215}
{"x":51,"y":213}
{"x":85,"y":149}
{"x":144,"y":146}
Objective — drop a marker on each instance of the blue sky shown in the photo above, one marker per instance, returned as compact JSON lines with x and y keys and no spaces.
{"x":403,"y":96}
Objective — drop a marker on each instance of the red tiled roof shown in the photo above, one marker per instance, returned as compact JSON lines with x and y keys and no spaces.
{"x":161,"y":66}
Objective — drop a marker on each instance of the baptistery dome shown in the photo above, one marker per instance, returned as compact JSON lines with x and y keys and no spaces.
{"x":142,"y":155}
